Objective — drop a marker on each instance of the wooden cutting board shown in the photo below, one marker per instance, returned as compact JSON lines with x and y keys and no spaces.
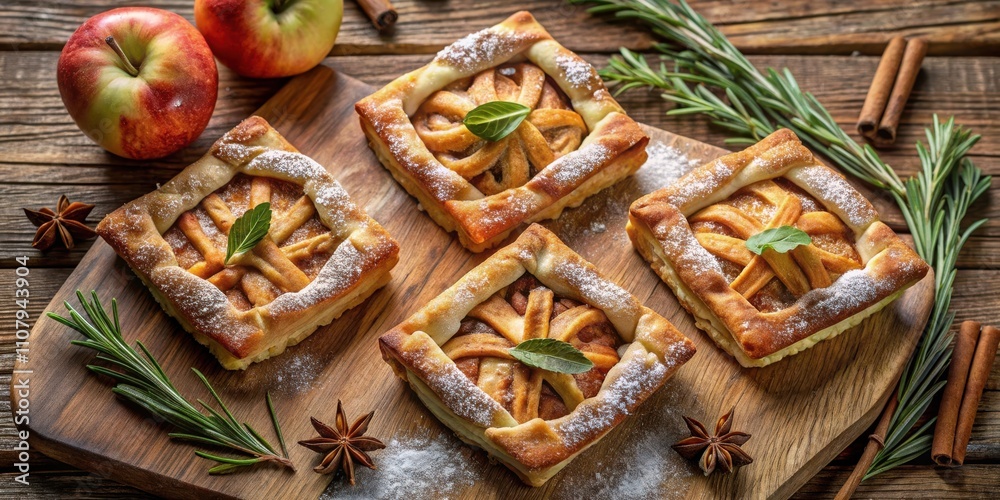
{"x":801,"y":411}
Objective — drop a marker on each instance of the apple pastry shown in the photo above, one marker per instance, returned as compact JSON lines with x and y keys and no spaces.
{"x":764,"y":301}
{"x":456,"y":353}
{"x":576,"y":140}
{"x":321,"y":255}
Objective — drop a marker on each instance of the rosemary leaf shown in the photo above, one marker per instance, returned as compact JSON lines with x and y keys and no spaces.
{"x":277,"y":426}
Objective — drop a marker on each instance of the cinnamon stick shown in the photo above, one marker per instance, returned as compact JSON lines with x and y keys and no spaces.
{"x":982,"y":363}
{"x":876,"y":441}
{"x":381,"y":12}
{"x":909,"y":67}
{"x":878,"y":93}
{"x":951,"y":397}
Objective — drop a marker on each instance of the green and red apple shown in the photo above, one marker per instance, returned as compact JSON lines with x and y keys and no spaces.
{"x":269,"y":38}
{"x":140,"y":82}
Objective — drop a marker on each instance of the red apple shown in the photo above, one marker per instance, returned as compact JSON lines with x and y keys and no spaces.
{"x":269,"y":38}
{"x":140,"y":82}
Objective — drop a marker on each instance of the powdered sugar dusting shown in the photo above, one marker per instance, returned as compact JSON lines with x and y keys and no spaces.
{"x":433,"y":175}
{"x":470,"y":287}
{"x":651,"y":470}
{"x":664,"y":165}
{"x":596,"y":290}
{"x":578,"y":72}
{"x":514,"y":207}
{"x":415,"y":467}
{"x":835,"y":189}
{"x":206,"y":307}
{"x":851,"y":292}
{"x":235,"y":153}
{"x":293,"y":166}
{"x":297,"y":373}
{"x":680,"y":243}
{"x":478,"y":49}
{"x":700,"y":183}
{"x":635,"y":380}
{"x":460,"y":394}
{"x":577,"y":166}
{"x":341,"y":272}
{"x":338,"y":202}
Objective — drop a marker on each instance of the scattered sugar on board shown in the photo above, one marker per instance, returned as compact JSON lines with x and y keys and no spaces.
{"x":604,"y":212}
{"x":664,"y":165}
{"x":645,"y":467}
{"x":298,"y":373}
{"x":418,"y":466}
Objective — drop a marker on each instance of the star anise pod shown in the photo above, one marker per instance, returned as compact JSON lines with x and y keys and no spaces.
{"x":719,"y":451}
{"x":343,"y":445}
{"x":65,"y":224}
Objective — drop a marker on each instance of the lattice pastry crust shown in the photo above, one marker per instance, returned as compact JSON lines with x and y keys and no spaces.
{"x":322,"y":256}
{"x":576,"y":141}
{"x":534,"y":421}
{"x":763,"y":308}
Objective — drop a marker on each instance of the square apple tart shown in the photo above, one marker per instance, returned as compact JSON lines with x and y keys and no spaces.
{"x":455,"y":354}
{"x":321,"y":256}
{"x":763,"y":307}
{"x":575,"y":142}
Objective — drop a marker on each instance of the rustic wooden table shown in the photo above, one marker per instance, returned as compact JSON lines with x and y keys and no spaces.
{"x":831,"y":47}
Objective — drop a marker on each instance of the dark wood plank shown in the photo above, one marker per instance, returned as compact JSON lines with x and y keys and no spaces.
{"x":61,"y":484}
{"x":970,"y":481}
{"x":797,"y":27}
{"x":37,"y":131}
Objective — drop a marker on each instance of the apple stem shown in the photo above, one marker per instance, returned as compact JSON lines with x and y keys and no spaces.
{"x":278,"y":5}
{"x":121,"y":54}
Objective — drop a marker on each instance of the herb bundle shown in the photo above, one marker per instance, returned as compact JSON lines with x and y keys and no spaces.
{"x":934,"y":202}
{"x":142,"y":381}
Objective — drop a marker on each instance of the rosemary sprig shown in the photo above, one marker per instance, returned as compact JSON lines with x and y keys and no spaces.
{"x":758,"y":103}
{"x":934,"y":202}
{"x":142,"y":381}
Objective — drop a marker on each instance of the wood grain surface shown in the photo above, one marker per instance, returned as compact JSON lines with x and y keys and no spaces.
{"x":786,"y":406}
{"x":786,"y":27}
{"x":43,"y":154}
